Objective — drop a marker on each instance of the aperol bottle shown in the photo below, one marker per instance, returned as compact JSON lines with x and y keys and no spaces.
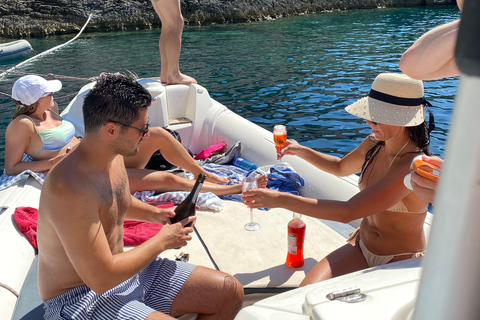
{"x":296,"y":237}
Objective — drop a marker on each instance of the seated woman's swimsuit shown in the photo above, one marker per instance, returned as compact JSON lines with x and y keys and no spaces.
{"x":372,"y":259}
{"x":56,"y":138}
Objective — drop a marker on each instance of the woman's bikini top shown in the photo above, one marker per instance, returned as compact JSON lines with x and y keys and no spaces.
{"x":56,"y":138}
{"x":397,"y":207}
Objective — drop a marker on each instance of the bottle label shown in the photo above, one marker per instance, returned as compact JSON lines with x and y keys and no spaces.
{"x":292,"y":243}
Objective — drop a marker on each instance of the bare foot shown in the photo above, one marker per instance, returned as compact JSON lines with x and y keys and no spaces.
{"x":181,"y":79}
{"x":216,"y":179}
{"x":262,"y":181}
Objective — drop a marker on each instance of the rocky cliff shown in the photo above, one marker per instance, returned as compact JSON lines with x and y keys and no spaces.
{"x":23,"y":18}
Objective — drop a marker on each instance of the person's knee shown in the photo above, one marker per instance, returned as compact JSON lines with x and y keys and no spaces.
{"x":178,"y":21}
{"x":233,"y":289}
{"x":173,"y":23}
{"x":172,"y":181}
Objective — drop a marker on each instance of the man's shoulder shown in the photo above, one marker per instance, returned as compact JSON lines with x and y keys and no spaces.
{"x":66,"y":178}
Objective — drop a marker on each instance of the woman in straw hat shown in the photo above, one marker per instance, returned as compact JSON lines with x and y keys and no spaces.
{"x":393,"y":216}
{"x":40,"y":132}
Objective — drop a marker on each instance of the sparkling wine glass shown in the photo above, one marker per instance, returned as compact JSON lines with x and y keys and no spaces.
{"x":280,"y":137}
{"x":249,"y":183}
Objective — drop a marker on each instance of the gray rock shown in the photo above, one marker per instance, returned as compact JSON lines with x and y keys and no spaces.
{"x":24,"y":18}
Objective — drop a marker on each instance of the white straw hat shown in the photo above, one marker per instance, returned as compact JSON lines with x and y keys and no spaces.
{"x":394,"y":99}
{"x":28,"y":89}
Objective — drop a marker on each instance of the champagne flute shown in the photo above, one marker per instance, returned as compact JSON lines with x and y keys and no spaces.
{"x":250,"y":183}
{"x":280,"y":137}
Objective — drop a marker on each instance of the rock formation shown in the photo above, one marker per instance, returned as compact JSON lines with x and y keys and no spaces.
{"x":24,"y":18}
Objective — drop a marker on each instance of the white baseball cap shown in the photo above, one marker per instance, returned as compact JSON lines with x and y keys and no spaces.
{"x":28,"y":89}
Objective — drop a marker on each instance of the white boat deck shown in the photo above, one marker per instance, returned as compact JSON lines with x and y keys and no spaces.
{"x":256,"y":259}
{"x":16,"y":252}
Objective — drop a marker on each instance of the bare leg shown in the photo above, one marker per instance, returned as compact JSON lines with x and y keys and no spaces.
{"x":144,"y":179}
{"x":170,"y":42}
{"x":210,"y":293}
{"x":344,"y":260}
{"x":172,"y":150}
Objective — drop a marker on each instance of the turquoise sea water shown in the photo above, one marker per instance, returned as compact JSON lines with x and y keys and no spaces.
{"x":300,"y":71}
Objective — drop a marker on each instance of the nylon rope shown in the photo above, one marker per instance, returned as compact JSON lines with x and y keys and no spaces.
{"x":47,"y":51}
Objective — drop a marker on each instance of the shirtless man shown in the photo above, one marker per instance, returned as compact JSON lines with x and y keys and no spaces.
{"x":83,"y":269}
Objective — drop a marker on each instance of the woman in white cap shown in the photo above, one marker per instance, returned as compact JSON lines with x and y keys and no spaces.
{"x":393,"y":216}
{"x":47,"y":140}
{"x":40,"y":132}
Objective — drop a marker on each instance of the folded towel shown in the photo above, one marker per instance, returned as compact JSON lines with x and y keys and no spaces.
{"x":211,"y":151}
{"x":284,"y":178}
{"x":206,"y":201}
{"x":6,"y":181}
{"x":135,"y":232}
{"x":26,"y":219}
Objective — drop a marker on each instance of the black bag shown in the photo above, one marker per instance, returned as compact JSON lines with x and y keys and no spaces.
{"x":158,"y":162}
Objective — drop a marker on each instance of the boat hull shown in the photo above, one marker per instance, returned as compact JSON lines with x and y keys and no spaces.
{"x":14,"y":49}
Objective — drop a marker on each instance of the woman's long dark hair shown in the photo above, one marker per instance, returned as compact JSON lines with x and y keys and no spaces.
{"x":418,"y":134}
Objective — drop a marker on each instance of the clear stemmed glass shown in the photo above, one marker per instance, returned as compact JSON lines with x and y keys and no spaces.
{"x":249,"y":183}
{"x":280,"y":137}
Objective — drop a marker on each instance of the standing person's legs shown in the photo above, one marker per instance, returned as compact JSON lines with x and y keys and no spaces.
{"x":170,"y":43}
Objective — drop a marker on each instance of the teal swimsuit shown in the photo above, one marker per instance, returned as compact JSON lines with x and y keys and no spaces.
{"x":56,"y":138}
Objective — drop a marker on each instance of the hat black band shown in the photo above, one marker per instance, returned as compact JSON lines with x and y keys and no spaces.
{"x":411,"y":102}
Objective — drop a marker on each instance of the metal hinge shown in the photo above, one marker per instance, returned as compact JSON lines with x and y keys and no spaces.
{"x":349,"y":295}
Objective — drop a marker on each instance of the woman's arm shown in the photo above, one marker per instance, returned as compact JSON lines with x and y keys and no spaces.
{"x":349,"y":164}
{"x":376,"y":198}
{"x":432,"y":55}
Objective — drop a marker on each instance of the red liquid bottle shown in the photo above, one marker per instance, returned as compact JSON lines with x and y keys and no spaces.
{"x":296,"y":237}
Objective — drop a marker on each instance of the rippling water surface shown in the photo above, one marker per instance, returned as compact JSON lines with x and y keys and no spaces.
{"x":299,"y":71}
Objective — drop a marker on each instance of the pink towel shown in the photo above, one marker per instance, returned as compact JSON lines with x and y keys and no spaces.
{"x":210,"y":151}
{"x":135,"y":232}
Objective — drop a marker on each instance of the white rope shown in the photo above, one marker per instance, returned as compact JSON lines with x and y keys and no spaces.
{"x":47,"y":51}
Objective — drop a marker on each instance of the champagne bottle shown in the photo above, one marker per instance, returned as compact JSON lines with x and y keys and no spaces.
{"x":188,"y":206}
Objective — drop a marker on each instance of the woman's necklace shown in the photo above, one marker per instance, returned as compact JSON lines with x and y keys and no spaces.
{"x":399,"y":153}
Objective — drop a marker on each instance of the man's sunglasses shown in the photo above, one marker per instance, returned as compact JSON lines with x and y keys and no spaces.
{"x":143,"y":130}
